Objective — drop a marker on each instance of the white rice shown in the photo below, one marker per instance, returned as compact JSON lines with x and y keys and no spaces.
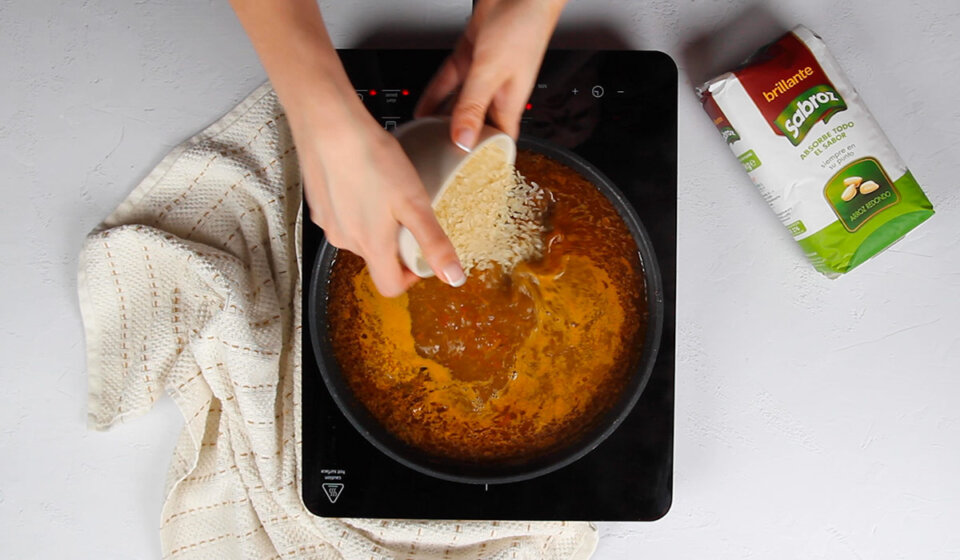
{"x":491,"y":214}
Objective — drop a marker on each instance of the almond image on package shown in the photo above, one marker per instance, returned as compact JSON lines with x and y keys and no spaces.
{"x":815,"y":152}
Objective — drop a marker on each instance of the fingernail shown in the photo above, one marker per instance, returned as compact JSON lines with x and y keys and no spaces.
{"x":466,"y":138}
{"x":454,"y":275}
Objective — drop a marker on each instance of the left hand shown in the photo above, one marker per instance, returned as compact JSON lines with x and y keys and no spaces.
{"x":494,"y":66}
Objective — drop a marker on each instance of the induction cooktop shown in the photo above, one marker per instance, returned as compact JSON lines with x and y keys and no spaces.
{"x":618,"y":110}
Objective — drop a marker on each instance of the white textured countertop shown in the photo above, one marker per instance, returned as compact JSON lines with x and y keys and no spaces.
{"x":814,"y":419}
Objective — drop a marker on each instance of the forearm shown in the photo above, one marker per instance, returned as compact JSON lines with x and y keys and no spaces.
{"x":293,"y":44}
{"x":547,"y":10}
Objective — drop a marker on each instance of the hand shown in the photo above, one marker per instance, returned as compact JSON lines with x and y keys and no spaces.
{"x":360,"y":187}
{"x":358,"y":182}
{"x":494,"y":66}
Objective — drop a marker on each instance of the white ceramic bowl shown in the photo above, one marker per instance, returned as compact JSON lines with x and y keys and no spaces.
{"x":437,"y":160}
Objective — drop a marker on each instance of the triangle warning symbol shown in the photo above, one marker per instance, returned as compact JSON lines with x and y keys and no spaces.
{"x":332,"y":490}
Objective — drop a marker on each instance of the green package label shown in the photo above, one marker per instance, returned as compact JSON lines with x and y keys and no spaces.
{"x":749,"y":160}
{"x":807,"y":109}
{"x":860,"y":191}
{"x":836,"y":249}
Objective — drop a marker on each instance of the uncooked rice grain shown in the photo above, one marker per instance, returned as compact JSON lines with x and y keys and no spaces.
{"x":491,"y":214}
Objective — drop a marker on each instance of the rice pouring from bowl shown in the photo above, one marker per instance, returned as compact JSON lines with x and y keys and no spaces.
{"x":448,"y":173}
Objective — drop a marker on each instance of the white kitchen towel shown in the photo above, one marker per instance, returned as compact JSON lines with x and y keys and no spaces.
{"x":192,"y":287}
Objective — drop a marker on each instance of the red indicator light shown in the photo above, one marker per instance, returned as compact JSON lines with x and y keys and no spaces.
{"x":406,"y":92}
{"x":373,"y":92}
{"x":529,"y":106}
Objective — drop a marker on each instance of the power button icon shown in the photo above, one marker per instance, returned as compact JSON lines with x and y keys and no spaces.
{"x":597,"y":91}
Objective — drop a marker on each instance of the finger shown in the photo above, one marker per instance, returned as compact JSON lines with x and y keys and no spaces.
{"x":470,"y":110}
{"x":443,"y":84}
{"x":416,"y":214}
{"x":335,"y":236}
{"x":388,"y":275}
{"x":506,"y":110}
{"x":321,"y":213}
{"x":317,"y":197}
{"x":409,"y":278}
{"x":318,"y":215}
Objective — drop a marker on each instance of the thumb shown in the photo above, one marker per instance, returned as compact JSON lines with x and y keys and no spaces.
{"x":470,"y":111}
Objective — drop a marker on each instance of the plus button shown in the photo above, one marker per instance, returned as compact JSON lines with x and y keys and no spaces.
{"x":575,"y":91}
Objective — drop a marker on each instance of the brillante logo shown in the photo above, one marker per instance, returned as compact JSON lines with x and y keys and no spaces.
{"x":810,"y":107}
{"x":782,"y":86}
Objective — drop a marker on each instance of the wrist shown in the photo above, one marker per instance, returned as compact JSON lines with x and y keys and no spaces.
{"x":292,"y":41}
{"x":316,"y":93}
{"x":330,"y":119}
{"x":304,"y":70}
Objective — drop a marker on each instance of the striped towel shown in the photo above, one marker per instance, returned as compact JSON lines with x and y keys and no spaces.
{"x":192,"y":287}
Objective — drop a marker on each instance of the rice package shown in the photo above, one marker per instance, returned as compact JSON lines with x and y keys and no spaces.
{"x":815,"y":152}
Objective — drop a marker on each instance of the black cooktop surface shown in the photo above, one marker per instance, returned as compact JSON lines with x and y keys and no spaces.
{"x":618,"y":110}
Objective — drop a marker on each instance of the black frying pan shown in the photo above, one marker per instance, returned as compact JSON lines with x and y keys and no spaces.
{"x":500,"y":472}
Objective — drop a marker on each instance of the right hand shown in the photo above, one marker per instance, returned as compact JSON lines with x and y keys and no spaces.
{"x":361,"y":188}
{"x":493,"y":68}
